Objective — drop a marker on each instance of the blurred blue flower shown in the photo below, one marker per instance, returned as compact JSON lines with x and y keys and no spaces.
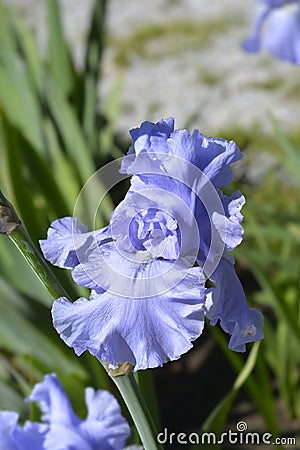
{"x":147,"y":269}
{"x":282,"y":34}
{"x":277,"y":3}
{"x":14,"y":437}
{"x":103,"y":429}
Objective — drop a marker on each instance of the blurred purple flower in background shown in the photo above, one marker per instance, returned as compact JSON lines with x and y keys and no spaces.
{"x":14,"y":437}
{"x":103,"y":429}
{"x":281,"y":34}
{"x":147,"y":269}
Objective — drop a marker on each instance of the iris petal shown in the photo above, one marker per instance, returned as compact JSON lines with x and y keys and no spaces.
{"x":145,"y":332}
{"x":281,"y":36}
{"x":67,"y":242}
{"x":54,"y":402}
{"x":103,"y":428}
{"x":227,"y":303}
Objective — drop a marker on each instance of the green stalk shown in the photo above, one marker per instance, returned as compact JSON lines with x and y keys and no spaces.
{"x":23,"y":242}
{"x":11,"y":226}
{"x":138,"y":409}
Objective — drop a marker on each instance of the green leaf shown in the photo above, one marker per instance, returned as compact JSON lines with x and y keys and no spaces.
{"x":284,"y":311}
{"x":291,"y":155}
{"x":75,"y":145}
{"x":27,"y":283}
{"x":21,"y":106}
{"x":216,"y":420}
{"x":21,"y":337}
{"x":63,"y":168}
{"x":29,"y":52}
{"x":17,"y":97}
{"x":60,"y":61}
{"x":10,"y":399}
{"x":252,"y":383}
{"x":23,"y":195}
{"x":43,"y":178}
{"x":91,"y":74}
{"x":111,"y":108}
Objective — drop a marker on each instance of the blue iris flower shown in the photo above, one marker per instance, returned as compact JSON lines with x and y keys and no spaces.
{"x":281,"y":34}
{"x":147,"y":269}
{"x":103,"y":429}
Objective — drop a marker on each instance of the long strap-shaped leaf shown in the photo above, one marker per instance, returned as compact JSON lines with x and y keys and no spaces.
{"x":91,"y":74}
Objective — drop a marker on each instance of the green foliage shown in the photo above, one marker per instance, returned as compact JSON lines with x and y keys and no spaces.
{"x":270,"y":255}
{"x":45,"y":159}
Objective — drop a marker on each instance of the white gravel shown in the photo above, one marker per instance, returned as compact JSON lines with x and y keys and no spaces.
{"x":170,"y":86}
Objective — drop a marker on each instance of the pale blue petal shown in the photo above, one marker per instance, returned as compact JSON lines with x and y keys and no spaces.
{"x":141,"y":139}
{"x":277,"y":3}
{"x":227,"y":303}
{"x":8,"y":423}
{"x":67,"y":242}
{"x":13,"y":437}
{"x":252,"y":43}
{"x":219,"y":155}
{"x":54,"y":402}
{"x":104,"y":428}
{"x":104,"y":409}
{"x":211,"y":156}
{"x":168,"y":152}
{"x":228,"y":226}
{"x":282,"y":37}
{"x":31,"y":436}
{"x":145,"y":332}
{"x":61,"y":437}
{"x":111,"y":269}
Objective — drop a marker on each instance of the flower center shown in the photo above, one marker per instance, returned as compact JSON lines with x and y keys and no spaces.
{"x":156,"y":232}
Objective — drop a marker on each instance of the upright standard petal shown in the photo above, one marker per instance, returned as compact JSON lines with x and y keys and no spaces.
{"x":172,"y":152}
{"x":282,"y":38}
{"x":227,"y":303}
{"x":54,"y":402}
{"x":280,"y":34}
{"x":142,"y":137}
{"x":252,"y":43}
{"x":188,"y":167}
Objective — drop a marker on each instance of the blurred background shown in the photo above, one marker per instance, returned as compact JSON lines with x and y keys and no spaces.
{"x":74,"y":78}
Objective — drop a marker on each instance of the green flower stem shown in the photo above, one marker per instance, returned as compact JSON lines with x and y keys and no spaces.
{"x":23,"y":242}
{"x":138,"y":410}
{"x":11,"y":225}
